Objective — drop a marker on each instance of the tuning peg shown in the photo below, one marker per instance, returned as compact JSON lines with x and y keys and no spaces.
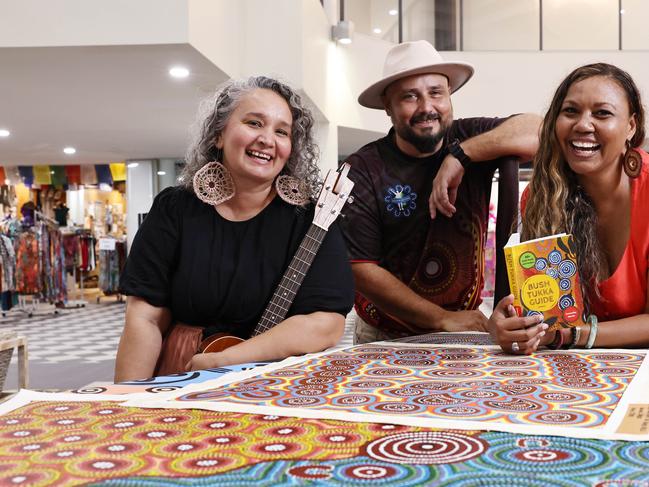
{"x":342,"y":216}
{"x":350,"y":200}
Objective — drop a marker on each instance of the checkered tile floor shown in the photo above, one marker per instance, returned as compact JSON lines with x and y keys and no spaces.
{"x":75,"y":347}
{"x":82,"y":335}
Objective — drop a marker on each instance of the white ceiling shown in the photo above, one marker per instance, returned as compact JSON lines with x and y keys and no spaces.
{"x":110,"y":103}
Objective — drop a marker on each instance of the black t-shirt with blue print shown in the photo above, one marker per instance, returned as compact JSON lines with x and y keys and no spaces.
{"x":389,"y":222}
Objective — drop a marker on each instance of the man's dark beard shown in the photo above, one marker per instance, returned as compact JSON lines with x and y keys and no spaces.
{"x":423,"y":143}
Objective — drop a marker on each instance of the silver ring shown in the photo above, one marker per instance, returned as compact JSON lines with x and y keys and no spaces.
{"x":515,"y":347}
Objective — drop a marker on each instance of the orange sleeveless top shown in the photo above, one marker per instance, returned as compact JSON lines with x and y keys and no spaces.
{"x":624,"y":294}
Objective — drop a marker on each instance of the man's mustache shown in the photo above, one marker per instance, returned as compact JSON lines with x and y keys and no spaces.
{"x":424,"y":117}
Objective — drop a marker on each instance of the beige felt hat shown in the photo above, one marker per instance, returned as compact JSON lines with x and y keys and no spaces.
{"x":409,"y":58}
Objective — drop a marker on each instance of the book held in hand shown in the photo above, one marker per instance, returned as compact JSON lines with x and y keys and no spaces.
{"x":544,"y":280}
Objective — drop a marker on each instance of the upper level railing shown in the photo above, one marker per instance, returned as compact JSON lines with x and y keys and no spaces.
{"x":505,"y":25}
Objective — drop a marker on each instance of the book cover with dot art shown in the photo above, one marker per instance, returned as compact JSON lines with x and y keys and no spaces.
{"x":544,"y":280}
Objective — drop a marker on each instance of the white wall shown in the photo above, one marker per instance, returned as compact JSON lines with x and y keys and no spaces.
{"x":92,"y":22}
{"x":501,"y":24}
{"x":580,"y":24}
{"x":634,"y":24}
{"x":512,"y":82}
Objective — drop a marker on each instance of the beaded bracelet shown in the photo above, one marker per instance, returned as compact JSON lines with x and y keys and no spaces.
{"x":576,"y":334}
{"x":592,"y":319}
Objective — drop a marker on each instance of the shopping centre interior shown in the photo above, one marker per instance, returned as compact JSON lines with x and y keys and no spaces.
{"x":97,"y":98}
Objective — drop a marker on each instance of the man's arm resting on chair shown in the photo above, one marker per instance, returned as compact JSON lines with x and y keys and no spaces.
{"x":517,"y":136}
{"x":396,"y":299}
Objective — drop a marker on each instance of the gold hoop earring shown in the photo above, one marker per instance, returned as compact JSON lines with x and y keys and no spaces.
{"x":292,"y":190}
{"x":213,"y":183}
{"x":632,"y":162}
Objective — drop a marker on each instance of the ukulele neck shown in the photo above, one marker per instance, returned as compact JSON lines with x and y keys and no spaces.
{"x":285,"y":292}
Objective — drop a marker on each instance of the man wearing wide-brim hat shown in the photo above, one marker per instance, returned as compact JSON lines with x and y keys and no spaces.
{"x":419,"y":268}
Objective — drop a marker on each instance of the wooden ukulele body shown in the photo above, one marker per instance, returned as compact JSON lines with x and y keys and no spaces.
{"x":218,"y":342}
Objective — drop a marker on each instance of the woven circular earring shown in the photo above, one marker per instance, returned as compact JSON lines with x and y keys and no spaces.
{"x":213,"y":183}
{"x":632,"y":162}
{"x":292,"y":190}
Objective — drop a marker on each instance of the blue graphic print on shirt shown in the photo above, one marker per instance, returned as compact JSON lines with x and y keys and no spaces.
{"x":400,"y":200}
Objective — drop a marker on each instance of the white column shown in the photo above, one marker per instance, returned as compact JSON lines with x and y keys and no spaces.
{"x":139,"y":193}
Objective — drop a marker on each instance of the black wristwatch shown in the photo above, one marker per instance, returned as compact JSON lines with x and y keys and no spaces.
{"x":456,"y":149}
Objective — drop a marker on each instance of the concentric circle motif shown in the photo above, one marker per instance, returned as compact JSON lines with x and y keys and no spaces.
{"x":288,"y":373}
{"x":552,"y":272}
{"x":564,"y":284}
{"x":158,"y":389}
{"x":566,"y":301}
{"x":276,"y":449}
{"x":311,"y":472}
{"x":414,"y":351}
{"x":518,"y":390}
{"x":438,"y":400}
{"x":333,"y":373}
{"x":396,"y":408}
{"x":432,"y":386}
{"x":512,"y":363}
{"x":107,"y":466}
{"x":479,"y":394}
{"x":541,"y":456}
{"x":461,"y":365}
{"x":453,"y":373}
{"x":346,"y":362}
{"x":554,"y":257}
{"x":338,"y":439}
{"x":316,"y":381}
{"x":368,"y":384}
{"x":387,"y":372}
{"x":354,"y":400}
{"x":540,"y":264}
{"x":120,"y":448}
{"x":619,"y":371}
{"x":561,"y":417}
{"x":310,"y":391}
{"x":426,"y":448}
{"x":90,"y":390}
{"x":301,"y":402}
{"x":559,"y":396}
{"x":414,"y":362}
{"x":460,"y":411}
{"x":374,"y":356}
{"x":567,"y":268}
{"x":370,"y":472}
{"x":403,"y":392}
{"x":513,"y":404}
{"x":42,"y":477}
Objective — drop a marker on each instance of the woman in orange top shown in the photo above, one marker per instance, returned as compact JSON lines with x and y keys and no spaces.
{"x":592,"y":180}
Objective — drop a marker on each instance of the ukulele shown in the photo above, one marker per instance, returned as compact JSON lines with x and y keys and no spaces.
{"x":335,"y":193}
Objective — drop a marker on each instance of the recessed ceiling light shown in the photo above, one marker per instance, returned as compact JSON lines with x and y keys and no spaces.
{"x":376,"y":30}
{"x":161,"y":173}
{"x":69,"y":150}
{"x":4,"y":133}
{"x":393,"y":11}
{"x":179,"y":72}
{"x":132,"y":164}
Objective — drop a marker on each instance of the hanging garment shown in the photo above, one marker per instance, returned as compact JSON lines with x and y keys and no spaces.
{"x":27,"y":264}
{"x":8,"y":264}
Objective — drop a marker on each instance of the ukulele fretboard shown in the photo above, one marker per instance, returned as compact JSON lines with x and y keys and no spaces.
{"x":285,"y":292}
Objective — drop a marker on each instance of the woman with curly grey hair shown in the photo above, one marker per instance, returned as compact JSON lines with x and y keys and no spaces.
{"x":212,"y":250}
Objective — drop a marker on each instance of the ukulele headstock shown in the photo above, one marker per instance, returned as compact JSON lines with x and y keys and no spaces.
{"x":335,"y":192}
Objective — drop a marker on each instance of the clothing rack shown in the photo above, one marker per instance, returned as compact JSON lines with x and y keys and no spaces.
{"x":46,"y":219}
